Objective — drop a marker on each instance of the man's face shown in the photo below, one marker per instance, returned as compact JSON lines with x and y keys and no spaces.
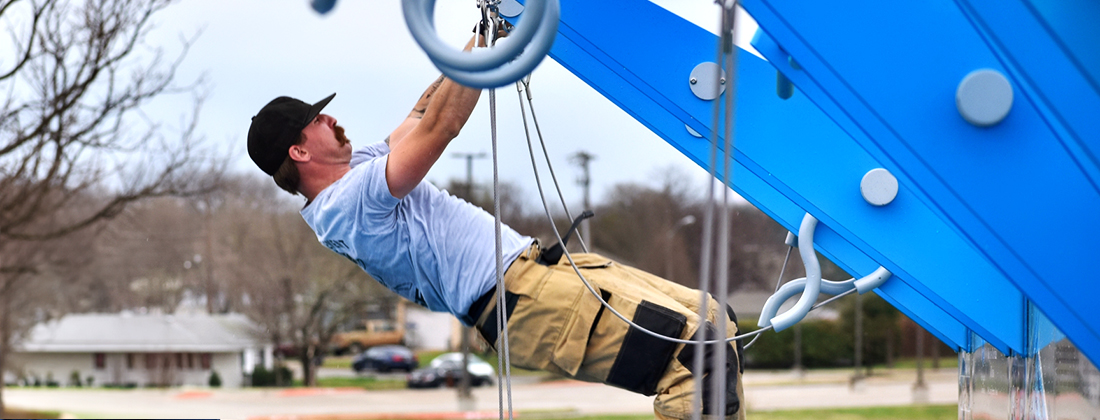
{"x":326,"y":140}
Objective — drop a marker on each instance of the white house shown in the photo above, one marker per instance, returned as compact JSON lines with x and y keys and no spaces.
{"x":142,"y":350}
{"x":427,"y":330}
{"x":748,"y":303}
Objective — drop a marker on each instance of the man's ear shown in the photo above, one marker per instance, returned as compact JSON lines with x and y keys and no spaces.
{"x":298,"y":153}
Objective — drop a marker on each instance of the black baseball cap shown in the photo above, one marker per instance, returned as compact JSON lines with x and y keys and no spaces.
{"x":277,"y":127}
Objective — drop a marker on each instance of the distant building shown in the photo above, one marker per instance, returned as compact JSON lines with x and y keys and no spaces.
{"x":141,"y":350}
{"x":748,"y":303}
{"x":427,"y":330}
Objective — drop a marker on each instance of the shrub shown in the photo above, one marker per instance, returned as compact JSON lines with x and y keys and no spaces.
{"x":261,"y":377}
{"x":215,"y":379}
{"x":823,"y":345}
{"x":50,"y":382}
{"x":283,"y":376}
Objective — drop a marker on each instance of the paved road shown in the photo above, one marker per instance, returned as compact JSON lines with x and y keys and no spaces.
{"x":765,"y":391}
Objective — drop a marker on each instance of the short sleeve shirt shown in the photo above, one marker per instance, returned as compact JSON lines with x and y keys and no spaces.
{"x":430,"y":247}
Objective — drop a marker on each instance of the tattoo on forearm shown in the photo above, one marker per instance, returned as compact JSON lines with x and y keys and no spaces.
{"x":435,"y":85}
{"x":422,"y":104}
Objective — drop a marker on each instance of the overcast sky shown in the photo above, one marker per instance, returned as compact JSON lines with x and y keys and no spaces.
{"x":254,"y":50}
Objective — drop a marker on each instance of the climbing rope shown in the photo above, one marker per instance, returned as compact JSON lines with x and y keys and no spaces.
{"x":524,"y":84}
{"x":504,"y":364}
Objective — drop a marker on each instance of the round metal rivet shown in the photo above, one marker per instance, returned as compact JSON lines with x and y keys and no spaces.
{"x":694,"y":81}
{"x":879,"y":187}
{"x":510,"y":8}
{"x":692,"y":131}
{"x":984,"y":97}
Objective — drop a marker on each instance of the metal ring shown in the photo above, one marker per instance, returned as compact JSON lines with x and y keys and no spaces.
{"x":515,"y":70}
{"x":419,"y":16}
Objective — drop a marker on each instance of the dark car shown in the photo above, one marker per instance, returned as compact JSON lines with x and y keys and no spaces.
{"x":446,"y":370}
{"x":385,"y":359}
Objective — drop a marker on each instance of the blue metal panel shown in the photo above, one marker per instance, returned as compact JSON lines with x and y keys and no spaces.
{"x":790,"y":157}
{"x":1054,"y":64}
{"x":1072,"y":24}
{"x":1020,"y":192}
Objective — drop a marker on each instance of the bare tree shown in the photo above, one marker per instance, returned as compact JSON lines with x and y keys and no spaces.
{"x":75,"y":149}
{"x":297,"y":290}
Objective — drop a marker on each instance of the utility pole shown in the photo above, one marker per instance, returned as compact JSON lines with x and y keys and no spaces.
{"x":799,"y":371}
{"x":470,"y":171}
{"x":858,"y":375}
{"x":581,"y":158}
{"x":920,"y":388}
{"x":465,"y":398}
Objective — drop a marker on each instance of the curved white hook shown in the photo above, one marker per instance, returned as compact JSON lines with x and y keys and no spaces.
{"x":811,"y":285}
{"x":813,"y":277}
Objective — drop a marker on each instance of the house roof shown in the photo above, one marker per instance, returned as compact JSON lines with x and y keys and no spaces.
{"x":125,"y":332}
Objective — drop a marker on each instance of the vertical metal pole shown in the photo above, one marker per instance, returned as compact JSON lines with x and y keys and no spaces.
{"x":920,"y":357}
{"x":798,"y":350}
{"x":464,"y":395}
{"x":858,"y":374}
{"x":581,"y":158}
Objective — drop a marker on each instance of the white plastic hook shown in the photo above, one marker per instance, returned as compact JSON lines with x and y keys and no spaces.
{"x":811,"y":285}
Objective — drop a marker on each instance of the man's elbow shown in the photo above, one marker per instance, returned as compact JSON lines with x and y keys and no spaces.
{"x":449,"y":128}
{"x":445,"y":130}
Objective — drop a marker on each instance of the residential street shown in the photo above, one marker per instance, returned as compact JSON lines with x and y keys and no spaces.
{"x":764,"y":391}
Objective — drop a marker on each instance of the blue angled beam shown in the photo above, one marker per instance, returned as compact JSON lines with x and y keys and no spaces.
{"x":1023,"y":193}
{"x":791,"y":158}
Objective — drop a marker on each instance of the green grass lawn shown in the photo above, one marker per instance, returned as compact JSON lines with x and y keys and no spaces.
{"x":915,"y":412}
{"x":921,"y":412}
{"x":338,"y":362}
{"x":365,"y":382}
{"x":14,"y":413}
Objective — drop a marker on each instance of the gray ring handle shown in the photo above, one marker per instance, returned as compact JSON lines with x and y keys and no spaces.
{"x":511,"y":72}
{"x":419,"y":16}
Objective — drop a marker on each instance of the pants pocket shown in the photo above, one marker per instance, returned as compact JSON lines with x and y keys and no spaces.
{"x":643,"y":358}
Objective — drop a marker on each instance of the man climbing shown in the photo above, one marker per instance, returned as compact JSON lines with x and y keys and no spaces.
{"x":373,"y":207}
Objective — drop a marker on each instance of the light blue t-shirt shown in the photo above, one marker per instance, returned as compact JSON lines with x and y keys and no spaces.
{"x":430,"y":247}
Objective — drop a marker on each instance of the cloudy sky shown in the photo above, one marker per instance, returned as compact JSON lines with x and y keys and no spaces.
{"x":251,"y":51}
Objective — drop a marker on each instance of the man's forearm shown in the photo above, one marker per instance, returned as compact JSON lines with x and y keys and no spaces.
{"x":422,"y":103}
{"x":436,"y":119}
{"x":410,"y":159}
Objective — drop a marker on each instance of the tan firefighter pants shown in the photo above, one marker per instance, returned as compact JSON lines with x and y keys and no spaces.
{"x":556,"y":324}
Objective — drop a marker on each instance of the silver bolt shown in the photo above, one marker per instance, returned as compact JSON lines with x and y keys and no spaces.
{"x":693,"y":81}
{"x":722,"y":80}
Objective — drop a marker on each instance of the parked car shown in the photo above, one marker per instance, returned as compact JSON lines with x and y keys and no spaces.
{"x":371,"y":333}
{"x":385,"y":359}
{"x":446,"y":370}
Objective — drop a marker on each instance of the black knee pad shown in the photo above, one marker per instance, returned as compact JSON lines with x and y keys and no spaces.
{"x":643,"y":359}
